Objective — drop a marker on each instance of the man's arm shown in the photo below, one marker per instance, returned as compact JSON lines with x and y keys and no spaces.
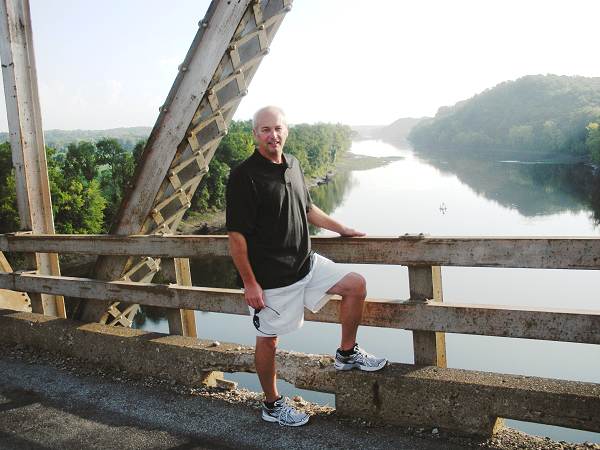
{"x":238,"y":248}
{"x":320,"y":219}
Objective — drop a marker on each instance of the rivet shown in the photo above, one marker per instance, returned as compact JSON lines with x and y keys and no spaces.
{"x":266,"y":51}
{"x":232,"y":47}
{"x":261,"y":27}
{"x":187,"y":205}
{"x":154,"y":212}
{"x":171,"y":174}
{"x":244,"y":92}
{"x":203,"y":23}
{"x":239,"y":71}
{"x":182,"y":68}
{"x":211,"y":92}
{"x":288,"y":8}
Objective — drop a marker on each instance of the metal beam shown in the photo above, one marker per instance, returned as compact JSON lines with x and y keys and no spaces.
{"x":26,"y":138}
{"x":214,"y":77}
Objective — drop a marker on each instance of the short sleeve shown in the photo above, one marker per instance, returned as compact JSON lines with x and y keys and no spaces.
{"x":241,"y":203}
{"x":308,"y":198}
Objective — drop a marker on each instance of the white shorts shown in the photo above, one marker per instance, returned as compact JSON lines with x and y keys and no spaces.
{"x":284,"y":310}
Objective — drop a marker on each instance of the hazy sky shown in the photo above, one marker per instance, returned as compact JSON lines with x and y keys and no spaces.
{"x":105,"y":64}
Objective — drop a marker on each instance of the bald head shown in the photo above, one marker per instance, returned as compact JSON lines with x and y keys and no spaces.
{"x":270,"y":130}
{"x":269,"y":110}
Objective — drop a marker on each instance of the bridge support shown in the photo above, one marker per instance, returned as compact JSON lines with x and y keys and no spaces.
{"x":425,"y":284}
{"x":231,"y":42}
{"x":27,"y":139}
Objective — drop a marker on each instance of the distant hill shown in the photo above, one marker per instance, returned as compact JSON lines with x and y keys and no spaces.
{"x":366,"y":131}
{"x":59,"y":139}
{"x":542,"y":114}
{"x":398,"y":131}
{"x":394,"y":132}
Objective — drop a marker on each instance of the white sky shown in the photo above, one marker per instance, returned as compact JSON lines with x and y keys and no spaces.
{"x":110,"y":63}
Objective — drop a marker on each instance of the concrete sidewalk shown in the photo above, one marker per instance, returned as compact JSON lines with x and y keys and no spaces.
{"x":49,"y":402}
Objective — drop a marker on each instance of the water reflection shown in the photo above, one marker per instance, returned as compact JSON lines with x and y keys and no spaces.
{"x":532,"y":188}
{"x":480,"y":197}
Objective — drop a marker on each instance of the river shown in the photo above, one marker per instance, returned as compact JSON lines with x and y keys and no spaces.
{"x":448,"y":195}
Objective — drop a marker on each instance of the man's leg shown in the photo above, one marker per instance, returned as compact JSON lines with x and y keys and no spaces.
{"x":274,"y":409}
{"x":264,"y":360}
{"x":353,"y":290}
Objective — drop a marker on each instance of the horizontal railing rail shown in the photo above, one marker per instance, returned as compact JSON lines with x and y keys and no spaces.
{"x":517,"y":322}
{"x":566,"y":325}
{"x":509,"y":252}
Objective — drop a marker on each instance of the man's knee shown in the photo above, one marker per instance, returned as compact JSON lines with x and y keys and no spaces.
{"x":353,"y":284}
{"x":266,"y":344}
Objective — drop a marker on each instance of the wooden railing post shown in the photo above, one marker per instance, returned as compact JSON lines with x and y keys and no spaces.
{"x":425,"y":283}
{"x":182,"y":321}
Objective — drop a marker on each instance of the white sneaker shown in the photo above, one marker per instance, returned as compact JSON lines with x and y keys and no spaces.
{"x":359,"y":359}
{"x":284,"y":414}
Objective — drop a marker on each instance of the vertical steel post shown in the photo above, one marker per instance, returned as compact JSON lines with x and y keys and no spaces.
{"x":27,"y":139}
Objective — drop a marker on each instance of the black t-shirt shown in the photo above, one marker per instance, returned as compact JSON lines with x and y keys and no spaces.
{"x":267,"y":203}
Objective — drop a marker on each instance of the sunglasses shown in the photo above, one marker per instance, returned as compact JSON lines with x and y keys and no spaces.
{"x":256,"y":320}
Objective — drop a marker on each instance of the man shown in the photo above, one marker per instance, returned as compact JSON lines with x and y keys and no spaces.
{"x":268,"y":212}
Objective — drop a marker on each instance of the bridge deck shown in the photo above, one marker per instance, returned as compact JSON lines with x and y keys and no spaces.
{"x":51,"y":402}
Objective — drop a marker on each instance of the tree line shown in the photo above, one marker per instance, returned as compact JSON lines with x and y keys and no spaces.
{"x":538,"y":114}
{"x":89,"y":179}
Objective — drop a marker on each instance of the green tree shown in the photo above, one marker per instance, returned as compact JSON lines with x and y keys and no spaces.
{"x":593,"y":141}
{"x":116,"y":175}
{"x":9,"y":214}
{"x":79,"y":207}
{"x":80,"y":161}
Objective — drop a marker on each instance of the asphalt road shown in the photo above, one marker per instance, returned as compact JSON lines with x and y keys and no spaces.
{"x":46,"y":405}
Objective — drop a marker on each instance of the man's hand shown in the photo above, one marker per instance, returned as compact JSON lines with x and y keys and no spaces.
{"x":320,"y":219}
{"x":351,"y":232}
{"x":254,"y":296}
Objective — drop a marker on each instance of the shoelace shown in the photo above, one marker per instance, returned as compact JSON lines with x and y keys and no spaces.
{"x":363,"y":357}
{"x":285,"y":414}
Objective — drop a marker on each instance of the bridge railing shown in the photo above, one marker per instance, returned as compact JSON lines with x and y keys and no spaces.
{"x":424,"y":312}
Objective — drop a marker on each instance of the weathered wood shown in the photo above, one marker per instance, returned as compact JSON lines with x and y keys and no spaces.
{"x":490,"y":320}
{"x":27,"y":138}
{"x":4,"y":264}
{"x":521,"y":252}
{"x":18,"y":301}
{"x":182,"y":321}
{"x":425,"y":283}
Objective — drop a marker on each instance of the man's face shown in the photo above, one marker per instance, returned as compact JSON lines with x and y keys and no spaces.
{"x":270,"y":134}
